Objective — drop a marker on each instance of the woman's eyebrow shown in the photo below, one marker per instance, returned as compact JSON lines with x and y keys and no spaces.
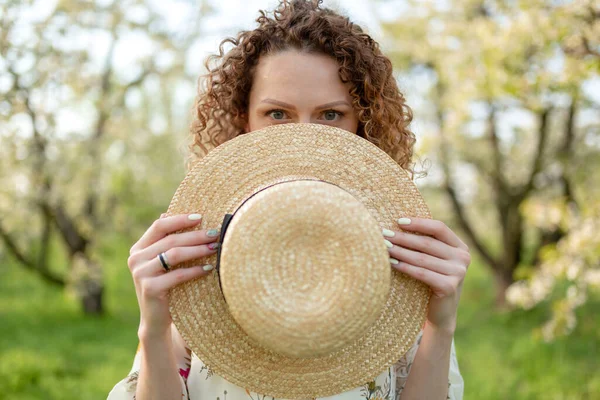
{"x":279,"y":103}
{"x":333,"y":104}
{"x":292,"y":107}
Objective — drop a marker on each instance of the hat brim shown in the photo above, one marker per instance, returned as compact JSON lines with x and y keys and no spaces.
{"x":220,"y":182}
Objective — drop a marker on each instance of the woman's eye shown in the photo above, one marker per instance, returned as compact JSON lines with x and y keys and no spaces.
{"x":331,"y":115}
{"x":277,"y":114}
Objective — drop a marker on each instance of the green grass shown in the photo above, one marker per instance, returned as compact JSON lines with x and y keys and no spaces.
{"x":49,"y":350}
{"x":501,"y":357}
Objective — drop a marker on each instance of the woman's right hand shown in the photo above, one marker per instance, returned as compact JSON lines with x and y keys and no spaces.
{"x":152,"y":282}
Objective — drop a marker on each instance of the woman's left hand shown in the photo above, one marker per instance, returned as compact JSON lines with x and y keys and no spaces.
{"x":439,"y":259}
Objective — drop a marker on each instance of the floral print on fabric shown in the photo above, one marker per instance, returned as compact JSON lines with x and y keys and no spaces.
{"x":373,"y":391}
{"x":199,"y":382}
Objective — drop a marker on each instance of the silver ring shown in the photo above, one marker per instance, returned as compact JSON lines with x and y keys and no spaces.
{"x":164,"y":262}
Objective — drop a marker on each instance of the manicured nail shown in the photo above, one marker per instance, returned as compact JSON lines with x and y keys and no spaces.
{"x":388,"y":243}
{"x":212,"y":232}
{"x":208,"y":267}
{"x":404,"y":221}
{"x":388,"y":233}
{"x":214,"y":245}
{"x":393,"y":261}
{"x":194,"y":217}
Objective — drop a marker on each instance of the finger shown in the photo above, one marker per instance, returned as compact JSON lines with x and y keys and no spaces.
{"x":185,"y":239}
{"x":440,"y":284}
{"x":171,"y":279}
{"x":423,"y":260}
{"x":164,"y":226}
{"x":424,"y":244}
{"x":432,"y":227}
{"x":175,"y":256}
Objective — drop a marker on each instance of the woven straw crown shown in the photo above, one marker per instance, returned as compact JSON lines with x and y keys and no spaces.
{"x":304,"y":303}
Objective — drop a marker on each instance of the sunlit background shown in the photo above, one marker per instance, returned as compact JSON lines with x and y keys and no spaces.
{"x":95,"y":104}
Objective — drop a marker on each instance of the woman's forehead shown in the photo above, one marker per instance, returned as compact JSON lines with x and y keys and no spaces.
{"x":293,"y":74}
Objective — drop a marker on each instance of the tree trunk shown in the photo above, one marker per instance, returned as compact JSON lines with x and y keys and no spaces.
{"x":86,"y":275}
{"x":503,"y":279}
{"x":512,"y":237}
{"x":92,"y":301}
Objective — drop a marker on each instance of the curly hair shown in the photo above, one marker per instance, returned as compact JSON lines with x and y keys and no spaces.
{"x":220,"y":109}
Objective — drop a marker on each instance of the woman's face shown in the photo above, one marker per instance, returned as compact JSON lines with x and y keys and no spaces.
{"x":299,"y":87}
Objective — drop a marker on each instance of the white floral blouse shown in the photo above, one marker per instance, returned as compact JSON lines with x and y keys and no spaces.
{"x":198,"y":382}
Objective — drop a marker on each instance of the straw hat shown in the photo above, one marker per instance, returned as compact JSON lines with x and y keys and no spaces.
{"x":304,"y":303}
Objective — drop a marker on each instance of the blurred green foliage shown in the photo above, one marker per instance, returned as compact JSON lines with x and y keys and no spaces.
{"x":509,"y":105}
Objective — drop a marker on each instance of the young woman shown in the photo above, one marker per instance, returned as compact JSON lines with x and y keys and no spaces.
{"x":304,"y":63}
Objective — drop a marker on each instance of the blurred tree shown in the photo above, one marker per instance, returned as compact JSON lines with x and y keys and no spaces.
{"x":81,"y":124}
{"x":504,"y":87}
{"x":569,"y":269}
{"x":584,"y":39}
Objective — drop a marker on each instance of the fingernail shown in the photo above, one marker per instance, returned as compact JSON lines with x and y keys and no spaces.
{"x":404,"y":221}
{"x":214,"y":245}
{"x":393,"y":261}
{"x":208,"y":267}
{"x":212,"y":232}
{"x":388,"y":243}
{"x":388,"y":233}
{"x":194,"y":217}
